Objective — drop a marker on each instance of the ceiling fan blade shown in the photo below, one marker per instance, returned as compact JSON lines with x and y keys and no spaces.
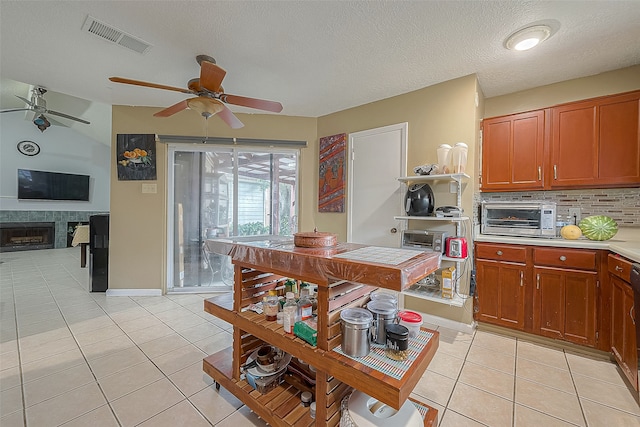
{"x":147,"y":84}
{"x":170,"y":111}
{"x":66,"y":116}
{"x":15,"y":109}
{"x":260,"y":104}
{"x":211,"y":76}
{"x":26,"y":100}
{"x":229,"y":118}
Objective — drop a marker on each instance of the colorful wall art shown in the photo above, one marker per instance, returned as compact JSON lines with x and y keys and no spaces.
{"x":136,"y":157}
{"x":331,"y":190}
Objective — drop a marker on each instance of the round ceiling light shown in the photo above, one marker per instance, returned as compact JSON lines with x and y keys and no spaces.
{"x":528,"y":37}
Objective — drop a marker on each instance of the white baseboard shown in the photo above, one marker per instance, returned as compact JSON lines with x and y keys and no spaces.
{"x":134,"y":292}
{"x":448,"y":323}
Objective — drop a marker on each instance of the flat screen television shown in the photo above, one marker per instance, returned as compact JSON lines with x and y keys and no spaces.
{"x":52,"y":186}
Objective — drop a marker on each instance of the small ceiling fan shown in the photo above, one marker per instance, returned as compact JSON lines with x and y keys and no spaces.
{"x":38,"y":105}
{"x":210,"y":97}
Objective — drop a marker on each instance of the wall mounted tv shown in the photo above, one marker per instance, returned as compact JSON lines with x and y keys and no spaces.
{"x":52,"y":186}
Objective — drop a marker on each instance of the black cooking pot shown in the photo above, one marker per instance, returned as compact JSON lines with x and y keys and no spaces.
{"x":419,"y":200}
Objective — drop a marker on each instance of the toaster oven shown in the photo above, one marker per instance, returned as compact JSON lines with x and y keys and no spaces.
{"x":424,"y":240}
{"x":524,"y":219}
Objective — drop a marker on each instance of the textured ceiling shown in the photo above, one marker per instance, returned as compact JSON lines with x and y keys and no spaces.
{"x":315,"y":57}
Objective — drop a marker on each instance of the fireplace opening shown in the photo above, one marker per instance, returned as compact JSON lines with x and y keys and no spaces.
{"x":23,"y":236}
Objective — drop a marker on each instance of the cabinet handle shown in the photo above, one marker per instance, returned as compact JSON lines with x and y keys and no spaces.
{"x":633,"y":319}
{"x":618,"y":268}
{"x":537,"y":281}
{"x":522,"y":278}
{"x":539,"y":173}
{"x":563,"y":258}
{"x":499,"y":253}
{"x":555,"y":172}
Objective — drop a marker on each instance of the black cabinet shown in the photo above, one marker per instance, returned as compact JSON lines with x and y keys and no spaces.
{"x":99,"y":252}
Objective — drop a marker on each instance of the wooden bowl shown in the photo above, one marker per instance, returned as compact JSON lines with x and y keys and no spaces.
{"x":315,"y":239}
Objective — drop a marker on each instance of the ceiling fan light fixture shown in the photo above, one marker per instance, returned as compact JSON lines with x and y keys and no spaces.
{"x":207,"y":107}
{"x":41,"y":122}
{"x":528,"y":37}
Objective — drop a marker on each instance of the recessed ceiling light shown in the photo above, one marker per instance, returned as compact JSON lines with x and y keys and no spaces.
{"x":528,"y":37}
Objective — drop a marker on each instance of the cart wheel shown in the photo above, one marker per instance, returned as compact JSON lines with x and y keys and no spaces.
{"x":217,"y":386}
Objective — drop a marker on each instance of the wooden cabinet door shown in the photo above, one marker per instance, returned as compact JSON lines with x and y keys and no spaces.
{"x":574,"y":145}
{"x":500,"y":293}
{"x":512,"y":152}
{"x":617,"y":318}
{"x":630,"y":355}
{"x":623,"y":329}
{"x":619,"y":140}
{"x":565,"y":305}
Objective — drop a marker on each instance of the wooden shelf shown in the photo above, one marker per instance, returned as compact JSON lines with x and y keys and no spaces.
{"x":435,"y":296}
{"x":383,"y":387}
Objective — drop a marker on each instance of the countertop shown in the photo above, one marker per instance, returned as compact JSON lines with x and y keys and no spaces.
{"x":625,"y":243}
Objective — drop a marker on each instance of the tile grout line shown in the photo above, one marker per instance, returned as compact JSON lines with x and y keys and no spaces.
{"x":575,"y":387}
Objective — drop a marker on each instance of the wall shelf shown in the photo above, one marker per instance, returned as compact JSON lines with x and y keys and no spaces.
{"x":432,"y":218}
{"x":435,"y":295}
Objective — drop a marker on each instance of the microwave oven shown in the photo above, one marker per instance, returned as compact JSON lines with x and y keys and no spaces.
{"x":424,"y":240}
{"x":523,"y":219}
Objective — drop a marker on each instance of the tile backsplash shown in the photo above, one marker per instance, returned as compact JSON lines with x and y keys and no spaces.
{"x":621,"y":204}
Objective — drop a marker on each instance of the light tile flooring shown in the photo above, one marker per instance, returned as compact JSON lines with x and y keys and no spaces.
{"x":74,"y":358}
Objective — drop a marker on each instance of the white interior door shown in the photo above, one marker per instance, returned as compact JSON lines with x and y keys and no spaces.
{"x":377,"y":158}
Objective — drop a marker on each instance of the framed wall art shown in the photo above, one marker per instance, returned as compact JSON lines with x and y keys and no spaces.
{"x":136,"y":155}
{"x":332,"y":159}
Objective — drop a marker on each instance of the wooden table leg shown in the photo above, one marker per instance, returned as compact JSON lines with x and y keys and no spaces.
{"x":83,"y":255}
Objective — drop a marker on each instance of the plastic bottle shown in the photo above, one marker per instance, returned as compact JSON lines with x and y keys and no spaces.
{"x":305,"y":307}
{"x":289,"y":313}
{"x":459,"y":157}
{"x":444,"y":158}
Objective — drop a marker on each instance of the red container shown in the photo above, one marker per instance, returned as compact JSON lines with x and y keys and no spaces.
{"x":456,"y":247}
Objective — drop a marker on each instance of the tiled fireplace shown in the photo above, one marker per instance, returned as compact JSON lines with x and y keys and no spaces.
{"x":22,"y":236}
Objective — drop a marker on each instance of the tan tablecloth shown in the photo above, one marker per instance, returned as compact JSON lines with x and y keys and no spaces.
{"x":81,"y":235}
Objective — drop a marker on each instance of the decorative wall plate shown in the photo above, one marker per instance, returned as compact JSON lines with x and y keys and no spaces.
{"x":28,"y":148}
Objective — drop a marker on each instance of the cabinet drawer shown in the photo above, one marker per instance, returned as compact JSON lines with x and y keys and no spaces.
{"x":619,"y":267}
{"x":563,"y":257}
{"x":501,"y":252}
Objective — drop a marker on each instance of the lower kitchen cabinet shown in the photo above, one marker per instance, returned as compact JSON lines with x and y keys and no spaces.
{"x":623,"y":328}
{"x":564,"y":305}
{"x":547,"y":291}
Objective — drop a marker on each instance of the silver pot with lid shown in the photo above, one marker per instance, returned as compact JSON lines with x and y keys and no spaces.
{"x":355,"y":324}
{"x":384,"y":313}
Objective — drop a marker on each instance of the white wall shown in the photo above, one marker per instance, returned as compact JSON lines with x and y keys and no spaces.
{"x":61,"y":150}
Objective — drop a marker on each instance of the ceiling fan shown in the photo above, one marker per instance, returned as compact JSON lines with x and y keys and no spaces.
{"x":210,"y":97}
{"x":38,"y":105}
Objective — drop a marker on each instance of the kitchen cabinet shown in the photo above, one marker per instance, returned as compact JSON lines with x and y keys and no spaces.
{"x":513,"y":152}
{"x":501,"y":270}
{"x":623,"y":328}
{"x":564,"y":305}
{"x":593,"y":143}
{"x":457,"y":226}
{"x":344,"y":275}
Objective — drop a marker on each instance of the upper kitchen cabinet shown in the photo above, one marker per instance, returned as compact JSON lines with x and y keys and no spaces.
{"x":512,"y":152}
{"x":593,"y":143}
{"x":596,"y":143}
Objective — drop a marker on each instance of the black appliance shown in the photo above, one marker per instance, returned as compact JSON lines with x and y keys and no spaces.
{"x":99,"y":252}
{"x":45,"y":185}
{"x":419,"y":200}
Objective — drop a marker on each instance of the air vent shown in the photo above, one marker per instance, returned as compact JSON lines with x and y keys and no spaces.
{"x":113,"y":35}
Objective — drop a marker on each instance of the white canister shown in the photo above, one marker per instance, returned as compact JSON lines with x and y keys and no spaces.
{"x":444,"y":158}
{"x":459,"y":157}
{"x":412,"y":321}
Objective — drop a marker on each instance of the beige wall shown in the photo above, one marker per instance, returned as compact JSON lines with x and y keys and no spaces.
{"x":138,"y":221}
{"x":609,"y":83}
{"x":439,"y":114}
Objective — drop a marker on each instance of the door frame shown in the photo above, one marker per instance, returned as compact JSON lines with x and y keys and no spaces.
{"x":404,"y":129}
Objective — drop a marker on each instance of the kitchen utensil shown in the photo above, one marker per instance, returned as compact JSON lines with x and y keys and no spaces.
{"x":419,"y":200}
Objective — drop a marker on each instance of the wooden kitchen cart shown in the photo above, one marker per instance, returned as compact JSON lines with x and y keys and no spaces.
{"x":345,"y":276}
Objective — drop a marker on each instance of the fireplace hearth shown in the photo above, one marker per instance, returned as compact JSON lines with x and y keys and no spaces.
{"x":23,"y":236}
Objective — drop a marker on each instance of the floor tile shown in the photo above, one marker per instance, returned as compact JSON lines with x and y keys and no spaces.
{"x":215,"y":343}
{"x":107,"y":347}
{"x":52,"y":364}
{"x":9,"y":378}
{"x":183,"y":414}
{"x":447,"y":365}
{"x":191,"y":379}
{"x":604,"y":370}
{"x":200,"y":332}
{"x":215,"y":405}
{"x":527,"y":417}
{"x":95,"y":336}
{"x":550,"y":401}
{"x":11,"y":400}
{"x":65,"y":407}
{"x":149,"y":334}
{"x":545,"y":374}
{"x":9,"y":359}
{"x":495,"y":342}
{"x":118,"y":361}
{"x":143,"y":322}
{"x":100,"y":417}
{"x":146,"y":402}
{"x":451,"y":418}
{"x":163,"y":345}
{"x":177,"y":359}
{"x":55,"y":384}
{"x":481,"y":406}
{"x":600,"y":415}
{"x":435,"y":387}
{"x":14,"y":419}
{"x":486,"y":357}
{"x":488,"y":379}
{"x":605,"y":393}
{"x":129,"y":380}
{"x":542,"y":354}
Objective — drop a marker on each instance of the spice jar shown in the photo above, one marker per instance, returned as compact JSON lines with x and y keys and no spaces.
{"x":271,"y":305}
{"x":397,"y":347}
{"x":306,"y":398}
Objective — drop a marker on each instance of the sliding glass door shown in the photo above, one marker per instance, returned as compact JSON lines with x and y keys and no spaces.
{"x":224,"y":192}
